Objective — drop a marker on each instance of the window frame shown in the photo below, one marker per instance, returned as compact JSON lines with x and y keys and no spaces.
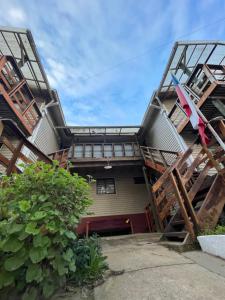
{"x":105,"y":185}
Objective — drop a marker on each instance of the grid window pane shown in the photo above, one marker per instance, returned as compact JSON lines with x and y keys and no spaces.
{"x":107,"y":150}
{"x":78,"y":151}
{"x":97,"y":151}
{"x":128,"y":150}
{"x":118,"y":149}
{"x":106,"y":186}
{"x":88,"y":151}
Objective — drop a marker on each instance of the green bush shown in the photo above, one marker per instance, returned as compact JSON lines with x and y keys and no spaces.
{"x":90,"y":263}
{"x":39,"y":210}
{"x":217,"y":231}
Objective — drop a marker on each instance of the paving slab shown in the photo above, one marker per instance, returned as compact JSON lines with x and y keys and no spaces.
{"x":154,"y":272}
{"x":186,"y":282}
{"x":142,"y":255}
{"x":210,"y":262}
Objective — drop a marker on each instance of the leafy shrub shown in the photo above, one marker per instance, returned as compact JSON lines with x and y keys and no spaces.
{"x":217,"y":231}
{"x":90,"y":263}
{"x":38,"y":211}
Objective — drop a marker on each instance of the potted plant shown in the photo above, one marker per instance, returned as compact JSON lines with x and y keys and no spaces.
{"x":213,"y":241}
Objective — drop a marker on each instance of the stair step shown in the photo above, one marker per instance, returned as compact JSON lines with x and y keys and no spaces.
{"x":177,"y":222}
{"x":178,"y":234}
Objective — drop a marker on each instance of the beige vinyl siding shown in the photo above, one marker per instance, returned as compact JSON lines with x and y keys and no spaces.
{"x":43,"y":137}
{"x":168,"y":104}
{"x":161,"y":135}
{"x":46,"y":139}
{"x":130,"y":198}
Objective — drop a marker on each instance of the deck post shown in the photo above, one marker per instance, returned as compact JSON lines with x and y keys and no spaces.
{"x":152,"y":204}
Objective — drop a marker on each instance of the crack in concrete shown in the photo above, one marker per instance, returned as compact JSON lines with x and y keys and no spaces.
{"x":158,"y":266}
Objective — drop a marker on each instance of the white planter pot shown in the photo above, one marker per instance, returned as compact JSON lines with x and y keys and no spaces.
{"x":213,"y":244}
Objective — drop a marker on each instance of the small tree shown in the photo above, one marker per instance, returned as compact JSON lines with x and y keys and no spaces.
{"x":39,"y":210}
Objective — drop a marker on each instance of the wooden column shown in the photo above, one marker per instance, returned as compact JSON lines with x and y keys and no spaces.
{"x":14,"y":158}
{"x":151,"y":200}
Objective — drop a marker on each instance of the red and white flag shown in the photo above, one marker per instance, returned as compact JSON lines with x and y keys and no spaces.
{"x":190,"y":110}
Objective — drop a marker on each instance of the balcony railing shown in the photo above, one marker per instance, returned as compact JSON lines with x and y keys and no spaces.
{"x":207,"y":81}
{"x":164,"y":158}
{"x":17,"y":94}
{"x":100,"y":151}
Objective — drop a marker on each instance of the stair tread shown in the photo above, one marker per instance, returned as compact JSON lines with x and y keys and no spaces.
{"x":175,"y":234}
{"x":177,"y":222}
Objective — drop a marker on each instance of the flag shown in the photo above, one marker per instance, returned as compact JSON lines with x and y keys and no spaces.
{"x":190,"y":110}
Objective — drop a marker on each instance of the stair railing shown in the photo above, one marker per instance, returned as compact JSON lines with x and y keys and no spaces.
{"x":158,"y":156}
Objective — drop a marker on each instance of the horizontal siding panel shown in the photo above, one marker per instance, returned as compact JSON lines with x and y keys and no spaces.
{"x":160,"y":135}
{"x":46,"y":139}
{"x":130,"y":198}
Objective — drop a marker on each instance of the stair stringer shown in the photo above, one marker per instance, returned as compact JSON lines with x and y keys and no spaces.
{"x":211,"y":208}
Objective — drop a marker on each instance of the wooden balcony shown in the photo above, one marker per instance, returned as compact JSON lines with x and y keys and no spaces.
{"x":82,"y":155}
{"x":16,"y":99}
{"x":16,"y":149}
{"x":206,"y":87}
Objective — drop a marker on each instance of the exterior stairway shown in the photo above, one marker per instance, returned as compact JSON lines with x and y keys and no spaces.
{"x":206,"y":87}
{"x":61,"y":156}
{"x":189,"y":194}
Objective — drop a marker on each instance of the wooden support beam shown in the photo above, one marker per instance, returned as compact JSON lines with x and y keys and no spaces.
{"x":222,"y":128}
{"x":220,"y":106}
{"x":14,"y":158}
{"x":187,"y":202}
{"x":152,"y":203}
{"x":180,"y":200}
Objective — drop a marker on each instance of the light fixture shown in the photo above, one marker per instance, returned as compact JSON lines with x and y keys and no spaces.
{"x":108,"y":166}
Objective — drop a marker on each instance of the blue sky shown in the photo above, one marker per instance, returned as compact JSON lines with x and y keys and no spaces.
{"x":105,"y":57}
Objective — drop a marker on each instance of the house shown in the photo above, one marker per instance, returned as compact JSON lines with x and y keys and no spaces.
{"x":26,"y":98}
{"x":152,"y":177}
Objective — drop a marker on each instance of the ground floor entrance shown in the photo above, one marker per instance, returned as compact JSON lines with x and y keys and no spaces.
{"x":120,"y":202}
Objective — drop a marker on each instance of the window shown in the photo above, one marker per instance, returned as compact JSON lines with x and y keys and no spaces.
{"x":106,"y":186}
{"x":139,"y":180}
{"x":128,"y":150}
{"x":108,"y":151}
{"x":97,"y":151}
{"x":118,"y":150}
{"x":88,"y":151}
{"x":78,"y":151}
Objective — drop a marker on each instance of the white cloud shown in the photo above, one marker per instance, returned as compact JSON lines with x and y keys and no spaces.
{"x":17,"y":15}
{"x":86,"y":48}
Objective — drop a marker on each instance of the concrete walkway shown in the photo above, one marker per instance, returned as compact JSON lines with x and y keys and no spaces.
{"x":154,"y":272}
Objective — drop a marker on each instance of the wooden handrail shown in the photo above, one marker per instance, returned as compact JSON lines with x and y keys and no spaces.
{"x":161,"y":150}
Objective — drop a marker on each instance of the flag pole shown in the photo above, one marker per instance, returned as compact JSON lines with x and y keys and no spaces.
{"x":214,"y":133}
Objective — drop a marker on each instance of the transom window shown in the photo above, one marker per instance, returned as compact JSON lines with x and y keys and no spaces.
{"x":105,"y":186}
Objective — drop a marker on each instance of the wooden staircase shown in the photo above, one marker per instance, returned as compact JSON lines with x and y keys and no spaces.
{"x":189,"y":195}
{"x":206,"y":87}
{"x":61,"y":156}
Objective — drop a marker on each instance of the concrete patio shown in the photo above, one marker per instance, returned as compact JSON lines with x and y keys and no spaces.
{"x":154,"y":272}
